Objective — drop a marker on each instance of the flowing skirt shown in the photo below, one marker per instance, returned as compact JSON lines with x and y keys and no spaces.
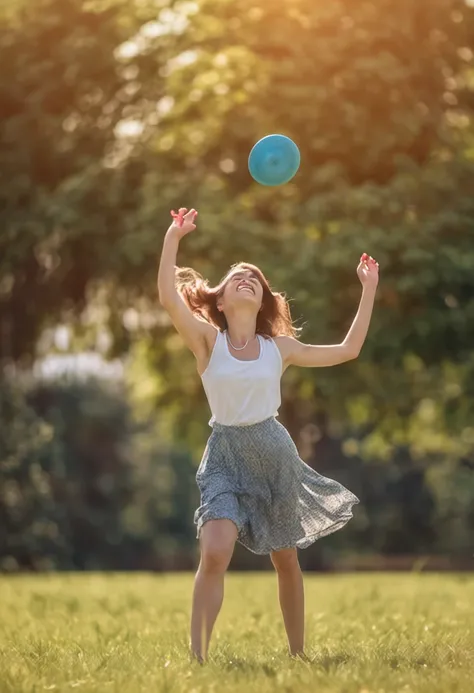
{"x":254,"y":476}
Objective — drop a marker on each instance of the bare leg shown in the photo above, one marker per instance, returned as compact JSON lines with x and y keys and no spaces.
{"x":291,"y":593}
{"x":217,"y":546}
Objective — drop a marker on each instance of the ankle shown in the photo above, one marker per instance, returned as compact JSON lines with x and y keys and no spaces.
{"x":299,"y":655}
{"x":196,"y":657}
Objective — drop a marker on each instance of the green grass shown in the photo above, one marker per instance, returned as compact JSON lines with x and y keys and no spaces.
{"x":365,"y":634}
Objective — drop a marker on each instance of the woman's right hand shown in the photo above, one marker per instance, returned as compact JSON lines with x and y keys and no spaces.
{"x":198,"y":334}
{"x":183,"y":222}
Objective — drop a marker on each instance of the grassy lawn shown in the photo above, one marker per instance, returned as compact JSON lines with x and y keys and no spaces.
{"x":366,"y":633}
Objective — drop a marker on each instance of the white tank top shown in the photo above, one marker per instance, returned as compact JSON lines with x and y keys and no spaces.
{"x":242,"y":393}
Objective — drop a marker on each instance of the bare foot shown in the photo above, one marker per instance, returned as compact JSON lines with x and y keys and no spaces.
{"x":195,"y":657}
{"x":300,"y":656}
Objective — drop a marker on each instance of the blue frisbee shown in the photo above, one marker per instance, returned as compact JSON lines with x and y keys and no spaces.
{"x":274,"y":160}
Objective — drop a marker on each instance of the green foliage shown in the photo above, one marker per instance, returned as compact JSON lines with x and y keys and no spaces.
{"x":29,"y":516}
{"x":370,"y":92}
{"x":378,"y":97}
{"x":63,"y":94}
{"x":84,"y":486}
{"x":87,"y":483}
{"x":109,"y":118}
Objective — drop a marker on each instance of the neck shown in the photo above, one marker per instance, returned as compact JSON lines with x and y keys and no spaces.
{"x":241,"y":328}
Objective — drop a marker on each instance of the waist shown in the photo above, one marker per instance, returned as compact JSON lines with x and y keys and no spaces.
{"x":216,"y":426}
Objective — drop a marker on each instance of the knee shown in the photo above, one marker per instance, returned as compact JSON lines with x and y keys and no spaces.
{"x":215,"y":558}
{"x":285,"y":561}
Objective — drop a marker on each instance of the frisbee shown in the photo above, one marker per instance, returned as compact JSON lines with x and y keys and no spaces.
{"x":274,"y":160}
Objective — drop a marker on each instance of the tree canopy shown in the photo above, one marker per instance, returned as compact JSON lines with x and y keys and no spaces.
{"x":114,"y":112}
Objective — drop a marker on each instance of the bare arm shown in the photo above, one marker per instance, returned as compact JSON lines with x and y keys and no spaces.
{"x":297,"y":354}
{"x":197,"y":334}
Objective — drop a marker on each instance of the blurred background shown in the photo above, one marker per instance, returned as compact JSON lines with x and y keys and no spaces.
{"x":114,"y":112}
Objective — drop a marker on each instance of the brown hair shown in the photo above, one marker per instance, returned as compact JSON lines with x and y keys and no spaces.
{"x":273,"y":320}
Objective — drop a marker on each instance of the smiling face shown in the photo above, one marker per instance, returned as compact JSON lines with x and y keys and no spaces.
{"x":242,"y":288}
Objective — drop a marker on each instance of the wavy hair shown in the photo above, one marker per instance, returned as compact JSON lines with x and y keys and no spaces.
{"x":273,"y":320}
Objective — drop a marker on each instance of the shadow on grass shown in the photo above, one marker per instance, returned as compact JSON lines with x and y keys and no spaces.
{"x":246,"y":666}
{"x":271,"y":667}
{"x":324,"y":662}
{"x":329,"y":662}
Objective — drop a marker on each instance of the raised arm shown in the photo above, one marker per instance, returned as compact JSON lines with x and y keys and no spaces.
{"x":294,"y":353}
{"x":197,"y":334}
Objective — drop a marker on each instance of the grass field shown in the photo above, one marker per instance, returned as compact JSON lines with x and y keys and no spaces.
{"x":367,"y":633}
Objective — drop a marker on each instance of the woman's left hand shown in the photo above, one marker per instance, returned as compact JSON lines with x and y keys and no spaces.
{"x":368,"y":271}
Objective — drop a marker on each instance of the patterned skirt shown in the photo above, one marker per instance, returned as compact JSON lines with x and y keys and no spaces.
{"x":254,"y":476}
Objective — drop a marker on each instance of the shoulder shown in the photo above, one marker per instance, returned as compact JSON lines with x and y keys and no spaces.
{"x":286,"y":344}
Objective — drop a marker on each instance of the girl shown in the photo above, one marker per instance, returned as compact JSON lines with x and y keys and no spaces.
{"x":254,"y":487}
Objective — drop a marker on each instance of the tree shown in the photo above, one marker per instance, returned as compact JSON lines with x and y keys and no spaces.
{"x":85,"y":484}
{"x":379,"y":98}
{"x":64,"y":92}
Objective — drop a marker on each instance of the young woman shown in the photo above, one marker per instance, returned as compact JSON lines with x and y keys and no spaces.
{"x":254,"y":486}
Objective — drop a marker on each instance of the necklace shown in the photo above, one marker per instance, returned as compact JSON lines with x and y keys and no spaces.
{"x":237,"y":348}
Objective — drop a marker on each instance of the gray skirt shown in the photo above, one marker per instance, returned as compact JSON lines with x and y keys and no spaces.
{"x":254,"y":476}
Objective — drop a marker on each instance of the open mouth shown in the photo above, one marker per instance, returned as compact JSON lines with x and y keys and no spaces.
{"x":246,"y":287}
